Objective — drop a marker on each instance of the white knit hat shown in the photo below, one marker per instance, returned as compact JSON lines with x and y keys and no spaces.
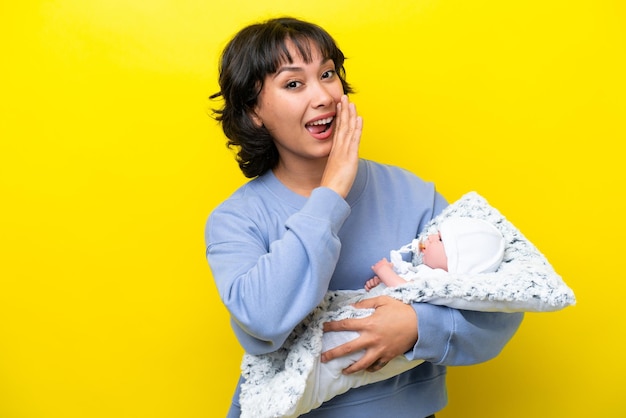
{"x":471,"y":245}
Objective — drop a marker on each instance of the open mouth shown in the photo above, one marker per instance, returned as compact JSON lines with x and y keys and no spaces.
{"x":319,"y":126}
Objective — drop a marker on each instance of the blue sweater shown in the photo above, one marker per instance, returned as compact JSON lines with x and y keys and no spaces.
{"x":274,"y":254}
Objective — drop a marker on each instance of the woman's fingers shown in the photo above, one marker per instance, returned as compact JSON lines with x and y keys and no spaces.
{"x":343,"y":160}
{"x":389,"y":332}
{"x":348,"y":126}
{"x":373,"y":358}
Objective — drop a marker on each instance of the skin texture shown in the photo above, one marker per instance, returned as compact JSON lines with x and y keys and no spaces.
{"x":296,"y":95}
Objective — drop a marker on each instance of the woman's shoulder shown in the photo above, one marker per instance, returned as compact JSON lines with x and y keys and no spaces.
{"x":244,"y":198}
{"x":244,"y":210}
{"x":262,"y":196}
{"x":398,"y":184}
{"x":377,"y":171}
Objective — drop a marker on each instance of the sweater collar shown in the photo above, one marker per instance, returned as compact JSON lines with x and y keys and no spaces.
{"x":278,"y":189}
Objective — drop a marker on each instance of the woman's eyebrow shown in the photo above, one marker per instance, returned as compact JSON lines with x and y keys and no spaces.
{"x":283,"y":69}
{"x":296,"y":68}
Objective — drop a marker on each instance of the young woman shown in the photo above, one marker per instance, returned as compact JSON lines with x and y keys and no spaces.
{"x":314,"y":217}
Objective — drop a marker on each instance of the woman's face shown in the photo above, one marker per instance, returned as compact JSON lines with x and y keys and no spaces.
{"x":297,"y":105}
{"x":434,"y":254}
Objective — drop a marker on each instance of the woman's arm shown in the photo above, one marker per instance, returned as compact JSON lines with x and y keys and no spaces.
{"x":269,"y":283}
{"x":436,"y":334}
{"x":455,"y":337}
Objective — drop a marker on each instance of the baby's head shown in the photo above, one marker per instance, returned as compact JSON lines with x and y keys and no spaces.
{"x":471,"y":246}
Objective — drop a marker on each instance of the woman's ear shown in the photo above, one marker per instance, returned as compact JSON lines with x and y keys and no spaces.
{"x":255,"y":119}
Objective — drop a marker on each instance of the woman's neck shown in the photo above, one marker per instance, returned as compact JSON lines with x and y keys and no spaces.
{"x":300,"y":179}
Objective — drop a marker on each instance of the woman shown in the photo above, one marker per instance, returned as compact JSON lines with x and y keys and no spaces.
{"x":315,"y":217}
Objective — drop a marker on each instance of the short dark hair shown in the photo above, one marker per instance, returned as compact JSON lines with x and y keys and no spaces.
{"x":253,"y":53}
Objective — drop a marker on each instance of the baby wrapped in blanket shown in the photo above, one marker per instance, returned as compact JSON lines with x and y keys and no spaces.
{"x":469,"y":257}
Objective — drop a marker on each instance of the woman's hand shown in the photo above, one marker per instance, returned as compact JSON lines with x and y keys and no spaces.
{"x":389,"y":332}
{"x":343,"y":160}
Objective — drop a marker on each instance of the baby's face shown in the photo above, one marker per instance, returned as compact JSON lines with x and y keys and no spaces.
{"x":433,"y":253}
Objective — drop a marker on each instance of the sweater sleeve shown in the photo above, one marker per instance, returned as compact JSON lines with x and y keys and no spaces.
{"x":269,"y":285}
{"x":455,"y":337}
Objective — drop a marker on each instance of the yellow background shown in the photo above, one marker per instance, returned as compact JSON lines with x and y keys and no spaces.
{"x":109,"y":165}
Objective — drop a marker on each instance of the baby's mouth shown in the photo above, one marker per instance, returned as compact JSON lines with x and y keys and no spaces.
{"x":319,"y":126}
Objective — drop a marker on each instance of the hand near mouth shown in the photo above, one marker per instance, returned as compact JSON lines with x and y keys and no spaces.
{"x":343,"y":160}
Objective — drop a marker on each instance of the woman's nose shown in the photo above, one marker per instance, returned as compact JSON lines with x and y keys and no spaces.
{"x":322,"y":96}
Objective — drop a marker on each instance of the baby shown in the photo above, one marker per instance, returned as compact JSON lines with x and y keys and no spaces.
{"x":462,"y":246}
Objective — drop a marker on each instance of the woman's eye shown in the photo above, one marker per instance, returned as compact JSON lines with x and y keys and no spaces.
{"x":292,"y":84}
{"x":328,"y":74}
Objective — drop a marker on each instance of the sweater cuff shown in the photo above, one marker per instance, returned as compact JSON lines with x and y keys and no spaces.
{"x":435,"y":327}
{"x":325,"y":203}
